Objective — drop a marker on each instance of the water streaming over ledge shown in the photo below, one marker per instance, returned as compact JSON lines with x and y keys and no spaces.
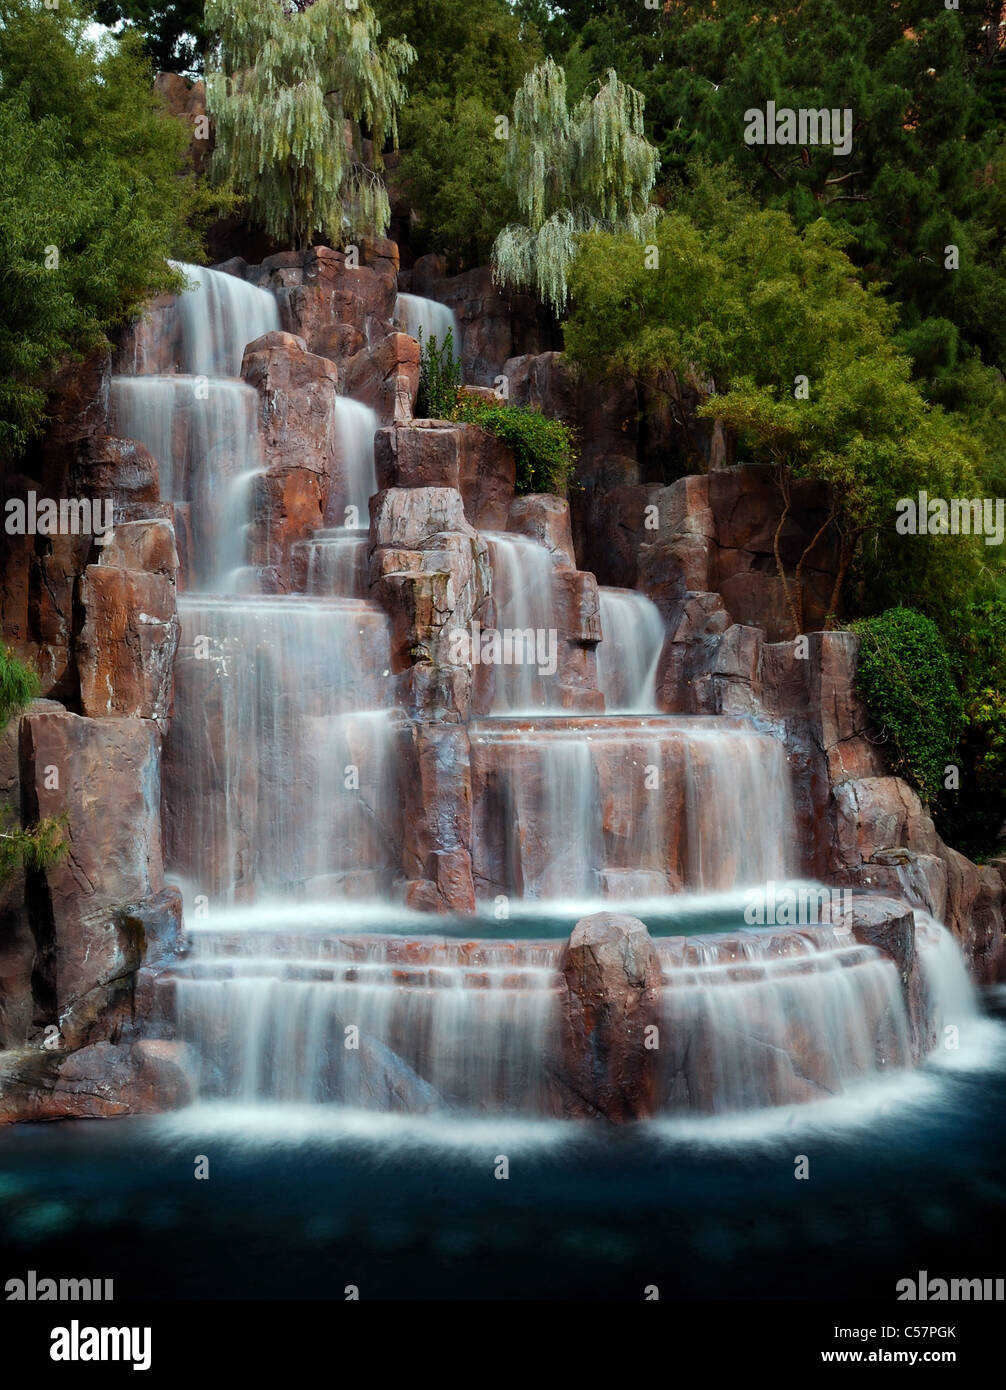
{"x":283,"y":815}
{"x":184,"y":403}
{"x":627,"y":656}
{"x":415,"y":315}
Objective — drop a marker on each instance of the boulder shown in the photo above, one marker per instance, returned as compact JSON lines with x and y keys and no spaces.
{"x":386,"y":377}
{"x":545,"y":518}
{"x":297,"y":427}
{"x":127,"y":643}
{"x":611,"y":974}
{"x":99,"y":1081}
{"x":105,"y":775}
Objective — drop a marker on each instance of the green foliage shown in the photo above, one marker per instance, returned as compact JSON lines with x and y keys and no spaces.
{"x":544,"y":450}
{"x":439,"y":378}
{"x":172,"y":30}
{"x":924,"y":84}
{"x":281,"y":86}
{"x":19,"y":685}
{"x":41,"y":845}
{"x":972,"y":818}
{"x":740,"y":311}
{"x":572,"y":171}
{"x":905,"y":677}
{"x":38,"y":847}
{"x":90,"y":172}
{"x":470,"y":59}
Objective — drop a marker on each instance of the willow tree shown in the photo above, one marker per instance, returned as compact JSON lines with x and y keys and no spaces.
{"x":589,"y":168}
{"x":284,"y":84}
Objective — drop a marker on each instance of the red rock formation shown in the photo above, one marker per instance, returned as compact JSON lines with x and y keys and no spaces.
{"x":611,"y":973}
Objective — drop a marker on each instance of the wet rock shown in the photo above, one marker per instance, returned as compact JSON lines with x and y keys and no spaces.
{"x":297,"y":427}
{"x":545,"y":518}
{"x":611,"y":973}
{"x":99,"y":1081}
{"x":386,"y":377}
{"x":889,"y":925}
{"x":126,"y":646}
{"x":105,"y":775}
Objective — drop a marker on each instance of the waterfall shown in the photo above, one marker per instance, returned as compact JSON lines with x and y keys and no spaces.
{"x":356,"y":424}
{"x":279,"y":768}
{"x":200,"y":425}
{"x":284,"y":785}
{"x":413,"y":315}
{"x":523,"y":593}
{"x":204,"y":331}
{"x":640,"y":807}
{"x":627,"y":656}
{"x":379,"y":1022}
{"x":336,"y":562}
{"x":204,"y":435}
{"x":776,"y":1018}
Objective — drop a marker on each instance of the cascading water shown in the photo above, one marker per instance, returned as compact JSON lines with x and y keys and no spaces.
{"x":356,"y":424}
{"x":283,"y":818}
{"x":415,"y":315}
{"x":441,"y":1024}
{"x":200,"y":425}
{"x":628,"y":808}
{"x":279,"y":770}
{"x":523,"y":595}
{"x":627,"y":656}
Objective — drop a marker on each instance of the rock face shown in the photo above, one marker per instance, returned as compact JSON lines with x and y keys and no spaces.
{"x":126,"y":646}
{"x":433,"y":453}
{"x":72,"y":765}
{"x":297,"y":392}
{"x":718,"y":533}
{"x":495,"y":325}
{"x":889,"y":924}
{"x":611,"y":973}
{"x":100,"y":1081}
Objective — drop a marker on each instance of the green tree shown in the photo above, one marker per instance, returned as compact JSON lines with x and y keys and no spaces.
{"x":572,"y":171}
{"x":470,"y":59}
{"x":33,"y":847}
{"x":93,"y":200}
{"x":282,"y":86}
{"x":924,"y":85}
{"x":774,"y":332}
{"x":172,"y":30}
{"x":905,"y":676}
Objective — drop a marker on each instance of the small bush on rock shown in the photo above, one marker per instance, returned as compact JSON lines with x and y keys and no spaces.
{"x":906,"y":679}
{"x":544,"y":450}
{"x":39,"y":845}
{"x":439,"y":378}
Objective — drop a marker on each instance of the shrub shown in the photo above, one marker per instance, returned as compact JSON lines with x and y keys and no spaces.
{"x":439,"y":378}
{"x":37,"y":846}
{"x":906,"y":679}
{"x":544,"y":450}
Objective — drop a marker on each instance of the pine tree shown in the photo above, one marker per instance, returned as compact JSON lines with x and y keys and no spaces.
{"x":572,"y":171}
{"x":282,"y":85}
